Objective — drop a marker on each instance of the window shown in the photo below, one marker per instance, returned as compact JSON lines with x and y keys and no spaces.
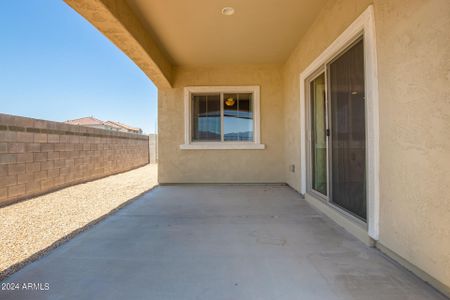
{"x":222,"y":118}
{"x":206,"y":117}
{"x":237,"y":117}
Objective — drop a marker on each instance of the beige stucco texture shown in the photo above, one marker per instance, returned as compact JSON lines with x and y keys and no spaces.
{"x":414,"y":72}
{"x":223,"y":166}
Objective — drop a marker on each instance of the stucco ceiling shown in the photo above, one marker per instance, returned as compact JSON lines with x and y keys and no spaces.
{"x":194,"y":32}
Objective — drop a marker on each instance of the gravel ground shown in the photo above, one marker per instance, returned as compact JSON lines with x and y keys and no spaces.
{"x":28,"y":227}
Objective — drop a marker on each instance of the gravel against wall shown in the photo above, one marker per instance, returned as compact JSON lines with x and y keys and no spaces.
{"x":28,"y":227}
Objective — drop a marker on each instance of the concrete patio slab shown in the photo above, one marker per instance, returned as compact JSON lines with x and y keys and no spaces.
{"x":217,"y":242}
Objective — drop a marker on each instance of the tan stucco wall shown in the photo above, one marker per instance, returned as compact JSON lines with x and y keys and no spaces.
{"x":224,"y":166}
{"x":413,"y":39}
{"x":413,"y":42}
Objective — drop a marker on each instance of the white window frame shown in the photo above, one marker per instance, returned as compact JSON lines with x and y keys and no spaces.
{"x":365,"y":25}
{"x":213,"y":145}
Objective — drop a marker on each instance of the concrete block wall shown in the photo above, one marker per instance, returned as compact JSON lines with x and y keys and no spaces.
{"x":38,"y":156}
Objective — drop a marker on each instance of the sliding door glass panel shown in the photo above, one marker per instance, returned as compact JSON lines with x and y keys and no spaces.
{"x":318,"y":135}
{"x":238,"y":117}
{"x":348,"y":145}
{"x":206,"y":117}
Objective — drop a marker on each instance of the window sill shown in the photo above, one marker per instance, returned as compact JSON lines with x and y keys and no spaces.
{"x":222,"y":146}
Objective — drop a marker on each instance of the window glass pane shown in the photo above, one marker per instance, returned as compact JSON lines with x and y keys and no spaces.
{"x":348,"y":149}
{"x":238,"y":117}
{"x":318,"y":135}
{"x":206,"y":117}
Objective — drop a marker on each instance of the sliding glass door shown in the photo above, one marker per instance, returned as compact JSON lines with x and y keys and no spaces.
{"x":318,"y":135}
{"x":337,"y":128}
{"x":347,"y":125}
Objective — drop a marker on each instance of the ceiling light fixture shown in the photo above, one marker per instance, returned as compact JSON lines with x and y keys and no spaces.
{"x":230,"y":101}
{"x":227,"y":11}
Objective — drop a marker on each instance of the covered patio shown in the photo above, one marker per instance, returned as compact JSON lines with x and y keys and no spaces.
{"x":218,"y":242}
{"x":274,"y":116}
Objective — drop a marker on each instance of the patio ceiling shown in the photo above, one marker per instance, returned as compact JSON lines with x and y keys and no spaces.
{"x":196,"y":33}
{"x":159,"y":35}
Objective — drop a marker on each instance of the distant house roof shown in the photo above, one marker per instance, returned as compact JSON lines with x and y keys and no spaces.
{"x":111,"y":124}
{"x":85,"y":121}
{"x":91,"y":121}
{"x":120,"y":125}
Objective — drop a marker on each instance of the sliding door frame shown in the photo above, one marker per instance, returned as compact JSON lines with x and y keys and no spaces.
{"x":364,"y":26}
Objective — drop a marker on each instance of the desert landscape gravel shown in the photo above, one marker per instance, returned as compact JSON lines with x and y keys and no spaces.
{"x":28,"y":227}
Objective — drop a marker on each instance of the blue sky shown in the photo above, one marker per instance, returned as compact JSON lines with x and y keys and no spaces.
{"x":54,"y":65}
